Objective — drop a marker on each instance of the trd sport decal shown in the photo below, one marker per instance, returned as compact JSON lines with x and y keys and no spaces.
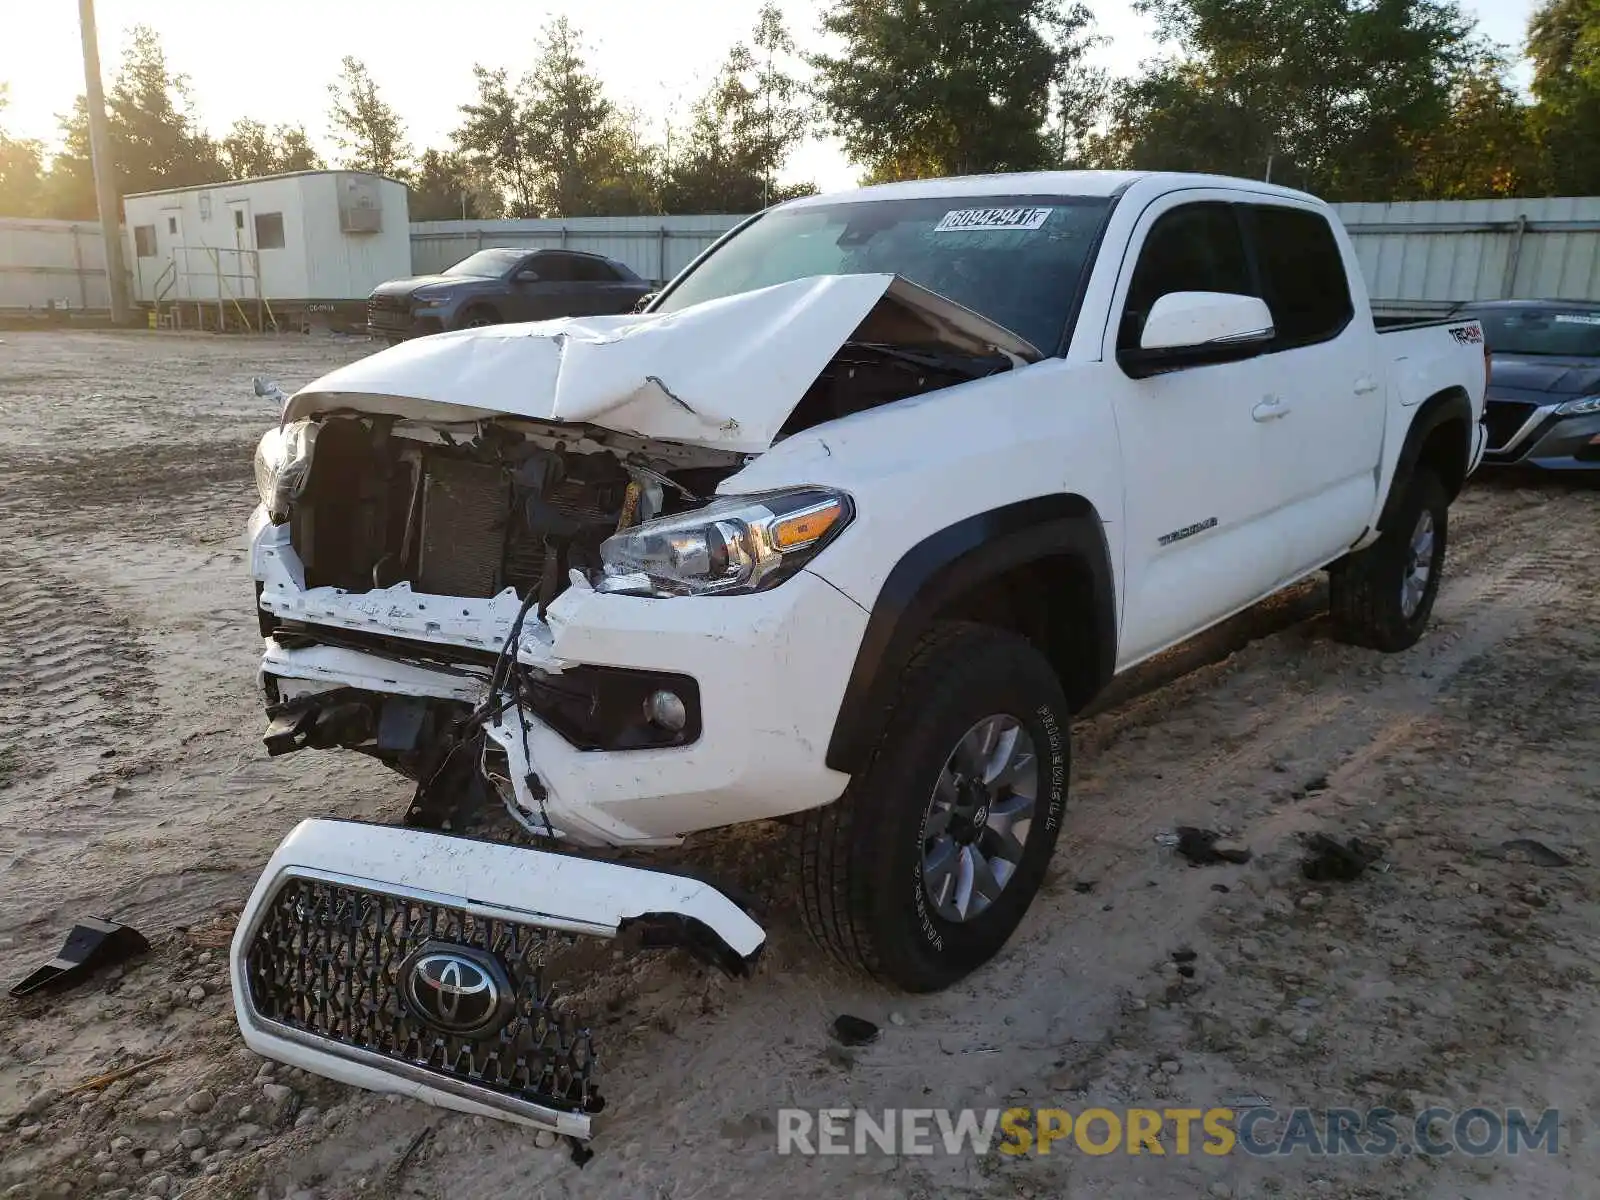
{"x":1467,"y":335}
{"x":1188,"y":531}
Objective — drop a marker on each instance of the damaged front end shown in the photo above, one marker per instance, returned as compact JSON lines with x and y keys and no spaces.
{"x":464,"y":974}
{"x":425,"y":509}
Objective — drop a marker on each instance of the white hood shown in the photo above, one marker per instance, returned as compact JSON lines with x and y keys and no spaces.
{"x":726,"y":373}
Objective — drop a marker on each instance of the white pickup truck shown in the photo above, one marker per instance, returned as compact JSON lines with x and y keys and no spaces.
{"x":841,"y":530}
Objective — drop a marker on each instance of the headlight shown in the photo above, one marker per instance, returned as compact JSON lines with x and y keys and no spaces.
{"x":738,"y":544}
{"x":429,"y":301}
{"x":1581,"y":407}
{"x":283,"y":461}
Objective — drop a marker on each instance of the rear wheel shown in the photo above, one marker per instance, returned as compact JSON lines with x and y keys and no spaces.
{"x":923,"y":869}
{"x":1383,"y":596}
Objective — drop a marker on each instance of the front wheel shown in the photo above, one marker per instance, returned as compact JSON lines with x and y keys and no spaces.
{"x":1383,"y":596}
{"x":924,"y":868}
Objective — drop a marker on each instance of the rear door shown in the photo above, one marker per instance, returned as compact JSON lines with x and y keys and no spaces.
{"x":555,"y":292}
{"x":1324,"y":367}
{"x":1201,"y":501}
{"x":607,"y":291}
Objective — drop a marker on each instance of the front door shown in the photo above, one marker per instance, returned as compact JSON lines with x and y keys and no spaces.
{"x":239,"y":267}
{"x":1202,"y":536}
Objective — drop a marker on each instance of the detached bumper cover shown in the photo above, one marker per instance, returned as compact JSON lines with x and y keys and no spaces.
{"x":431,"y":966}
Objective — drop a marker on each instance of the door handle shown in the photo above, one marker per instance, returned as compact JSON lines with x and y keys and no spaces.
{"x":1366,"y":385}
{"x":1270,"y":409}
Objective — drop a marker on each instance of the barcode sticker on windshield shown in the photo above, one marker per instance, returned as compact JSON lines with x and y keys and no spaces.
{"x":1576,"y":319}
{"x":960,"y":220}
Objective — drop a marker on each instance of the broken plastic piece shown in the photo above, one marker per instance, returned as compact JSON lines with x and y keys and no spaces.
{"x":93,"y":943}
{"x":1200,"y":847}
{"x":1328,"y":859}
{"x":1538,"y":853}
{"x":854,"y":1031}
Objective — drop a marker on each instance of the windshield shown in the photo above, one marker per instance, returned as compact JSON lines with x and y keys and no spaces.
{"x":1564,"y":332}
{"x":1014,"y":259}
{"x":486,"y":264}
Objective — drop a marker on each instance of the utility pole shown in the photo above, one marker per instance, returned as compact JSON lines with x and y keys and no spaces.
{"x":105,"y":180}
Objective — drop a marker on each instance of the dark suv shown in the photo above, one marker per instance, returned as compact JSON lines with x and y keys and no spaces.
{"x":503,"y":284}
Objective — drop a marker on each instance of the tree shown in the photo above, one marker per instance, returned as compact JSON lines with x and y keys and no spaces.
{"x":947,"y":87}
{"x":1486,"y":146}
{"x":494,"y":139}
{"x":1564,"y":44}
{"x":155,"y":140}
{"x":447,"y":187}
{"x":1330,"y":95}
{"x":21,"y":172}
{"x":250,"y":150}
{"x":363,"y":126}
{"x":742,"y":130}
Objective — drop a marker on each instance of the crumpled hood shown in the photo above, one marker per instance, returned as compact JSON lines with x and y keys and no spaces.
{"x":726,"y":373}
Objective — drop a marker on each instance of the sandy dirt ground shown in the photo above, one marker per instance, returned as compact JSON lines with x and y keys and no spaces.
{"x":133,"y":785}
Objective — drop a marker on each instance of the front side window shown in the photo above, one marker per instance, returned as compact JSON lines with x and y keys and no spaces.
{"x":1192,"y":248}
{"x":1017,"y":260}
{"x":1302,"y":275}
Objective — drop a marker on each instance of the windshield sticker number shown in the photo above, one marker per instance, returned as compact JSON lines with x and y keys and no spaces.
{"x":961,"y":220}
{"x":1576,"y":319}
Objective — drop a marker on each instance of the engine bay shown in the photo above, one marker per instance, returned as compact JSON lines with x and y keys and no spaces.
{"x":472,"y":510}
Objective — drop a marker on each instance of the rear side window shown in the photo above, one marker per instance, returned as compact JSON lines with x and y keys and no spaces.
{"x":592,"y":270}
{"x":1302,"y":275}
{"x":1193,"y":248}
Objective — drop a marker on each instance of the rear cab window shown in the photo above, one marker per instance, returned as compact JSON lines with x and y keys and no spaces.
{"x":1302,"y":274}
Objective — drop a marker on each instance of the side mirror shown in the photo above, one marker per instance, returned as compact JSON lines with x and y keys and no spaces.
{"x":1189,"y":329}
{"x":527,"y":275}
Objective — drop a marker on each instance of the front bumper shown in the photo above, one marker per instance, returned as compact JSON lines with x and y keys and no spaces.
{"x":1551,"y":441}
{"x":326,"y":957}
{"x":398,"y":325}
{"x":771,"y":670}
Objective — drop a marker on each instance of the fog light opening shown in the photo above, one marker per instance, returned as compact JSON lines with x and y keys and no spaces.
{"x":666,"y":710}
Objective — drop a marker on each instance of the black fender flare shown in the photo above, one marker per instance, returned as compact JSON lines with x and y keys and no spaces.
{"x":1437,"y":410}
{"x":948,"y":564}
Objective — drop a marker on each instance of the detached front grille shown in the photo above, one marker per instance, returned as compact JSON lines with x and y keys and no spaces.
{"x":327,"y":961}
{"x":1502,"y":419}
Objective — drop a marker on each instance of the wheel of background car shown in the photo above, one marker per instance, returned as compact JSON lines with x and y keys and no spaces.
{"x":922,"y":870}
{"x":1382,"y":597}
{"x":477,"y":318}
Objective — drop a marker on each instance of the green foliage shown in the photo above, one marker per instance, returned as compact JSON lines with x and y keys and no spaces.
{"x":155,"y":140}
{"x":250,"y":150}
{"x":363,"y":125}
{"x":1331,"y":93}
{"x":447,"y":187}
{"x":21,"y":173}
{"x":743,"y":129}
{"x":1564,"y":44}
{"x":949,"y":87}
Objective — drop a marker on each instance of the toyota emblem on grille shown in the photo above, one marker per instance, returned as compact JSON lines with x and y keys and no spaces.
{"x":456,"y":989}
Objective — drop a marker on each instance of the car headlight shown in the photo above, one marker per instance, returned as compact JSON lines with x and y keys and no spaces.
{"x":734,"y":545}
{"x":283,"y":461}
{"x":1579,"y":407}
{"x":429,"y":301}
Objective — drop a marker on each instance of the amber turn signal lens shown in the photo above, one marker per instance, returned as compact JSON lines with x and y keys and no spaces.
{"x":804,"y":527}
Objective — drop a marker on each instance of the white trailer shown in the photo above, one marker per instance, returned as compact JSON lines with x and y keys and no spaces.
{"x":248,"y":253}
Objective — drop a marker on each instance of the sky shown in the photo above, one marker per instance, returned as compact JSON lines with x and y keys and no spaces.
{"x":273,"y":61}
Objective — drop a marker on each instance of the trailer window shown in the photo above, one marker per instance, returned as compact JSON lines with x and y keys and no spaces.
{"x":269,"y":231}
{"x":144,"y":241}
